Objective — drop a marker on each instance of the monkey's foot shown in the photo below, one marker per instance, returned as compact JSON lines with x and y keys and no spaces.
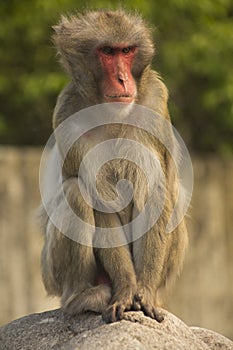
{"x":143,"y":300}
{"x":94,"y":299}
{"x":120,"y":303}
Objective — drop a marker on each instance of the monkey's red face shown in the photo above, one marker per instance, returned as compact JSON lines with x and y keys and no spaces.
{"x":118,"y":84}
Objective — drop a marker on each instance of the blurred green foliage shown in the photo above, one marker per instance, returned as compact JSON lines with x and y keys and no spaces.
{"x":194,"y":56}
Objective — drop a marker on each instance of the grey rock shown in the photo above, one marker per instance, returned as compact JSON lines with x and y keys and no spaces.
{"x":53,"y":330}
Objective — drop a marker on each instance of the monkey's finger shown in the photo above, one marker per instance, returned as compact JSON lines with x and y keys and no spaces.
{"x":109,"y":315}
{"x":157,"y":315}
{"x":147,"y":311}
{"x":120,"y":312}
{"x":136,"y":306}
{"x":138,"y":297}
{"x":152,"y":313}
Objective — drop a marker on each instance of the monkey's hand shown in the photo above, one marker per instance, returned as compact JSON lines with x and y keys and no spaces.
{"x":93,"y":299}
{"x":144,"y":301}
{"x":121,"y":301}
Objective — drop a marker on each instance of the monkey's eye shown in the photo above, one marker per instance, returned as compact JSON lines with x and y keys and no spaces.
{"x":108,"y":50}
{"x":126,"y":50}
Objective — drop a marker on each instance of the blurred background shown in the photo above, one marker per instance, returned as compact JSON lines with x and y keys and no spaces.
{"x":194,"y":44}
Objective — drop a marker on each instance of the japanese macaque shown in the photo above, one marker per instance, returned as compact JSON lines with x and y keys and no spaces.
{"x":107,"y":55}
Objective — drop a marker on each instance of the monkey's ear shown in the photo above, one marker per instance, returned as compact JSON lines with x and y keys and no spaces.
{"x":62,"y":25}
{"x":62,"y":32}
{"x":56,"y":28}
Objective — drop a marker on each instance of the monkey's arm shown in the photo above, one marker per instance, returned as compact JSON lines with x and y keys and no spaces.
{"x":68,"y":103}
{"x":118,"y":264}
{"x":153,"y":93}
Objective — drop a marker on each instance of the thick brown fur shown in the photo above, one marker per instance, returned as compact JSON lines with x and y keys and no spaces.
{"x":138,"y":274}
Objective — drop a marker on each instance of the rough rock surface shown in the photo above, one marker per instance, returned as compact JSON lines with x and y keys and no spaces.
{"x":53,"y":330}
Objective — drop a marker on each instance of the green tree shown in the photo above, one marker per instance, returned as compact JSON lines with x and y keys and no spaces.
{"x":194,"y":56}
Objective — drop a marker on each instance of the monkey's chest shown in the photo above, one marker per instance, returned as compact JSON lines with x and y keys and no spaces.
{"x":120,"y":183}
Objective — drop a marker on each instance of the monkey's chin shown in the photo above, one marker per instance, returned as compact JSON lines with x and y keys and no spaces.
{"x":123,"y":99}
{"x":121,"y":108}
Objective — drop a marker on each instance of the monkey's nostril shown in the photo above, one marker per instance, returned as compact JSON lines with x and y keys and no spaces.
{"x":121,"y":81}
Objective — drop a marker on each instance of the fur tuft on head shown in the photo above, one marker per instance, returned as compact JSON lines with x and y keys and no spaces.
{"x":78,"y":36}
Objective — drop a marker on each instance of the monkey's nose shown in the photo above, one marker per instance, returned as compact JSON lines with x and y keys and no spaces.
{"x":122,"y":79}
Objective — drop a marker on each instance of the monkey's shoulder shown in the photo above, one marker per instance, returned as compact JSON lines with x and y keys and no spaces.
{"x":154,"y":82}
{"x":68,"y":102}
{"x":153,"y":93}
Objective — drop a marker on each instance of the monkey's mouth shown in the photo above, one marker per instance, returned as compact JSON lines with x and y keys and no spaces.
{"x":119,"y":98}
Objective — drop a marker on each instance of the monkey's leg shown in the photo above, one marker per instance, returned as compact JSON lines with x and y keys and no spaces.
{"x":68,"y":267}
{"x":149,"y":254}
{"x":118,"y":264}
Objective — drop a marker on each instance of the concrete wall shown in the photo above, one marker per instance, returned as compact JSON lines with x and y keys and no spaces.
{"x":204,"y":294}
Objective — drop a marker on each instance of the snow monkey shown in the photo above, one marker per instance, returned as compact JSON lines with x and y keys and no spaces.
{"x":107,"y":55}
